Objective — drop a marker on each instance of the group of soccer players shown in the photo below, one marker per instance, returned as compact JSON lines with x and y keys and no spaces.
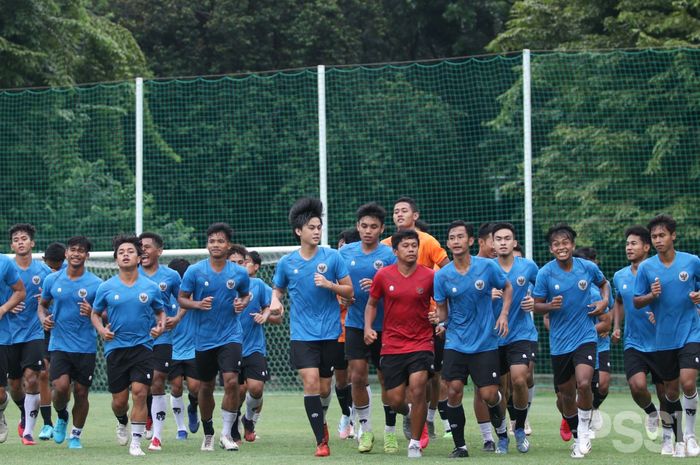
{"x":426,"y":323}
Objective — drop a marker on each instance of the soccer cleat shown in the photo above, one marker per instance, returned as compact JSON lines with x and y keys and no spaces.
{"x":46,"y":433}
{"x":679,"y":452}
{"x":503,"y":443}
{"x":74,"y":443}
{"x":135,"y":450}
{"x":248,"y":429}
{"x":20,"y":429}
{"x":366,"y":442}
{"x":424,"y":437}
{"x":322,"y":450}
{"x":591,"y":434}
{"x":155,"y":445}
{"x":431,"y":430}
{"x":447,"y":435}
{"x":207,"y":443}
{"x":575,"y":452}
{"x":596,"y":420}
{"x":564,"y":430}
{"x":149,"y":428}
{"x":227,"y":443}
{"x":691,"y":446}
{"x":414,"y":452}
{"x":326,"y":436}
{"x":584,"y":443}
{"x":652,"y":426}
{"x":667,"y":446}
{"x":489,"y":446}
{"x":345,"y":427}
{"x":458,"y":453}
{"x":391,"y":445}
{"x":59,"y":432}
{"x":192,"y":419}
{"x":407,"y":427}
{"x":181,"y":435}
{"x":28,"y":440}
{"x":522,"y":444}
{"x":528,"y":428}
{"x":3,"y":428}
{"x":122,"y":434}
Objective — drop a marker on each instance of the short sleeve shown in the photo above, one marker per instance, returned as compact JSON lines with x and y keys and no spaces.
{"x":46,"y":290}
{"x":642,"y":286}
{"x":438,"y":292}
{"x":498,"y":277}
{"x":243,"y":284}
{"x":377,"y":289}
{"x":531,"y":272}
{"x":100,"y":303}
{"x":188,"y":280}
{"x":280,"y":280}
{"x":341,"y":269}
{"x":541,"y":285}
{"x":157,"y":303}
{"x":10,"y":275}
{"x":175,"y":287}
{"x":437,"y":253}
{"x":266,"y":298}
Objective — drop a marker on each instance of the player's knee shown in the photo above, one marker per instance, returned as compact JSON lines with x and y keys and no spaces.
{"x":31,"y":380}
{"x":688,"y":385}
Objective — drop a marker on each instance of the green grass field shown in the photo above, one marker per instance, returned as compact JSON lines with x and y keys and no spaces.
{"x":286,"y":438}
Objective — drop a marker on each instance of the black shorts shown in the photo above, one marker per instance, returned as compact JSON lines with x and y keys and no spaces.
{"x":534,"y":350}
{"x":397,"y":368}
{"x":186,"y":368}
{"x":515,"y":353}
{"x":25,"y":355}
{"x":225,"y":358}
{"x":79,"y":367}
{"x":340,"y":363}
{"x":439,"y":347}
{"x":604,"y":361}
{"x":254,"y":366}
{"x":636,"y":361}
{"x":483,"y":367}
{"x":129,"y":365}
{"x":314,"y":354}
{"x":47,"y":338}
{"x":670,"y":362}
{"x":3,"y":365}
{"x":356,"y":349}
{"x":564,"y":365}
{"x":162,"y":357}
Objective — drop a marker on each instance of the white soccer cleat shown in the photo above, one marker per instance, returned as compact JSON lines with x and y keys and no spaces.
{"x":227,"y":443}
{"x":576,"y":452}
{"x":3,"y":428}
{"x":591,"y":434}
{"x":596,"y":420}
{"x":692,"y":449}
{"x":122,"y":435}
{"x":584,"y":444}
{"x":414,"y":452}
{"x":679,"y":453}
{"x":208,"y":443}
{"x":135,"y":450}
{"x":652,"y":426}
{"x":667,"y":446}
{"x":345,"y":428}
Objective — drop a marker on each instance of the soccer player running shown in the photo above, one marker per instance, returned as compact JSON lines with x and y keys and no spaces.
{"x":516,"y":349}
{"x":130,"y":301}
{"x":217,"y":290}
{"x":363,"y":260}
{"x":407,"y":357}
{"x":314,"y":277}
{"x":639,"y":336}
{"x":64,"y":310}
{"x":12,"y":292}
{"x":26,"y":355}
{"x":168,"y":282}
{"x":563,"y":291}
{"x":463,"y":295}
{"x":667,"y":283}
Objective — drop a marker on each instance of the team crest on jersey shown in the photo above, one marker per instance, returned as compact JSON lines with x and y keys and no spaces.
{"x":683,"y":276}
{"x":143,"y":297}
{"x":163,"y":286}
{"x":479,"y":284}
{"x":230,"y":284}
{"x":520,"y":281}
{"x":583,"y":284}
{"x":321,"y":267}
{"x":378,"y":264}
{"x":420,"y":290}
{"x":82,"y":293}
{"x":36,"y":279}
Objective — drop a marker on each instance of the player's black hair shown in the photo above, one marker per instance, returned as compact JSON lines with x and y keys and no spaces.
{"x":255,"y":257}
{"x":123,"y":239}
{"x":422,"y":226}
{"x":485,"y":230}
{"x":411,"y":203}
{"x":561,"y":228}
{"x":372,"y":209}
{"x":588,"y":253}
{"x":398,"y":236}
{"x":638,"y":230}
{"x":349,"y":235}
{"x":519,"y":248}
{"x":238,"y":249}
{"x":459,"y":223}
{"x":79,"y":241}
{"x":180,"y":265}
{"x":156,"y":238}
{"x":303,"y":211}
{"x":55,"y":252}
{"x":220,"y":228}
{"x":663,"y":220}
{"x":508,"y":226}
{"x":24,"y":227}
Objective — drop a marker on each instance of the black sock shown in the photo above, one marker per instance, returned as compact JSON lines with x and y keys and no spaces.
{"x":456,"y":417}
{"x":390,"y":416}
{"x":235,"y":431}
{"x":519,"y":415}
{"x":122,"y":419}
{"x":193,"y":400}
{"x":649,"y":409}
{"x":598,"y":398}
{"x":442,"y":406}
{"x":675,"y":410}
{"x":149,"y":401}
{"x":46,"y":414}
{"x":495,"y":414}
{"x":511,"y":409}
{"x":573,"y":424}
{"x":63,"y":414}
{"x":343,"y":394}
{"x":20,"y":406}
{"x":208,"y":426}
{"x":314,"y":411}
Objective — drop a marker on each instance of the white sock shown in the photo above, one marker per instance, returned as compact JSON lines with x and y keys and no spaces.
{"x":31,"y":408}
{"x":389,"y":429}
{"x":325,"y":402}
{"x":584,"y":421}
{"x":75,"y":432}
{"x":178,"y":405}
{"x":252,"y":405}
{"x":502,"y":428}
{"x":690,"y":407}
{"x":229,"y":419}
{"x":414,"y":443}
{"x":446,"y":425}
{"x":431,"y":415}
{"x":158,"y":408}
{"x":137,"y":432}
{"x":486,"y":433}
{"x":364,"y":417}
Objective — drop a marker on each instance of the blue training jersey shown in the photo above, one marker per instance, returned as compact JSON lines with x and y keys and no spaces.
{"x":314,"y":311}
{"x":72,"y":332}
{"x":363,"y":265}
{"x":183,"y":337}
{"x":253,"y":333}
{"x":570,"y":326}
{"x":639,"y":333}
{"x":603,"y":343}
{"x":677,"y":320}
{"x":470,"y":320}
{"x":8,"y":278}
{"x":129,"y":310}
{"x":219,"y":325}
{"x":25,"y":325}
{"x":521,"y":325}
{"x":168,"y":282}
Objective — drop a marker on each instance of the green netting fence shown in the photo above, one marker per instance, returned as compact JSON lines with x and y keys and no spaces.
{"x":614,"y":141}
